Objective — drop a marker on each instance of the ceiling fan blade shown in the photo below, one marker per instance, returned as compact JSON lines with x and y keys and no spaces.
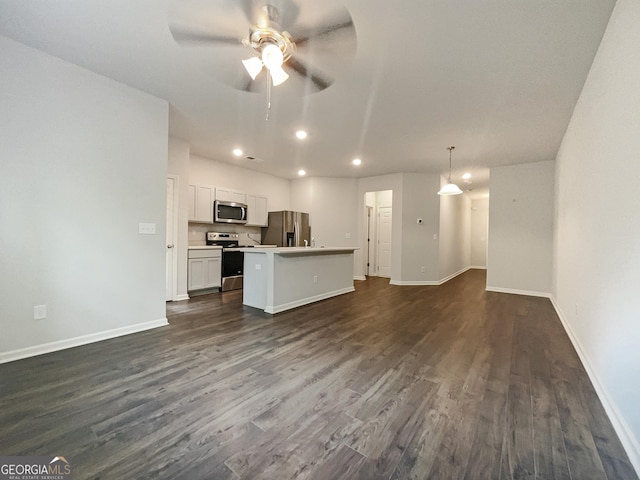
{"x":248,"y":86}
{"x":319,"y":80}
{"x":252,"y":86}
{"x":323,"y":31}
{"x":186,"y":36}
{"x":336,"y":22}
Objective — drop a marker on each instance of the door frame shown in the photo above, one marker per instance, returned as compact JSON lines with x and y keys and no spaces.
{"x":378,"y":249}
{"x":173,"y":274}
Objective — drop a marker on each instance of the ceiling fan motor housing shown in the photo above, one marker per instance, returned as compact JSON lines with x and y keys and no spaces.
{"x":261,"y":37}
{"x":267,"y":31}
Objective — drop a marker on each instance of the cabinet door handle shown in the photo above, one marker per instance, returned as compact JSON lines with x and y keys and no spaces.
{"x":170,"y":246}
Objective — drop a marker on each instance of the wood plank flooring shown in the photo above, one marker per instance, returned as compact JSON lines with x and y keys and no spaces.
{"x":388,"y":382}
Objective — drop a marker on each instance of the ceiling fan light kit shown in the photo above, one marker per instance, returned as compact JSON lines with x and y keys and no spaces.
{"x":273,"y":46}
{"x":450,"y":188}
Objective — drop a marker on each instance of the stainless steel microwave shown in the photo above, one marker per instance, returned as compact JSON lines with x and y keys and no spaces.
{"x":229,"y":212}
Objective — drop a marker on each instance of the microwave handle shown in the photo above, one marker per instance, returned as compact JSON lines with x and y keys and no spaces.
{"x":244,"y":213}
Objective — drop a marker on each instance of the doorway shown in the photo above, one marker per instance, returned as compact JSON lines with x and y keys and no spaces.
{"x":378,"y":232}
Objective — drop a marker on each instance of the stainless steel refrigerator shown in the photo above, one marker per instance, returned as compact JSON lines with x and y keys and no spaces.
{"x":287,"y":229}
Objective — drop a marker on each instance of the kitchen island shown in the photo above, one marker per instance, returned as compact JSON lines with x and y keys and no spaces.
{"x":282,"y":278}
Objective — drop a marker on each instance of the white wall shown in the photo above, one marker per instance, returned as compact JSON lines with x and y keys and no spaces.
{"x":179,"y":166}
{"x":419,"y":248}
{"x":597,"y":256}
{"x":455,"y":229}
{"x":84,"y":160}
{"x":210,"y":172}
{"x":332,"y":207}
{"x":521,"y":212}
{"x":479,"y":232}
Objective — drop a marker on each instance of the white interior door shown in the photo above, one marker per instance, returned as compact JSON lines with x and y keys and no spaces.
{"x":370,"y":243}
{"x":384,"y":242}
{"x":170,"y":239}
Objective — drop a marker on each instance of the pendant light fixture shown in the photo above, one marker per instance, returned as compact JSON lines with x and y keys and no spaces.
{"x":450,"y":188}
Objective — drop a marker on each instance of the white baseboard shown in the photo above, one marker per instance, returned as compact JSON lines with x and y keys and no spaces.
{"x":454,"y":275}
{"x":413,"y":282}
{"x":517,"y":292}
{"x":430,"y":282}
{"x":479,"y":267}
{"x":629,"y":441}
{"x":359,"y":277}
{"x":184,"y":296}
{"x":78,"y":341}
{"x":305,"y":301}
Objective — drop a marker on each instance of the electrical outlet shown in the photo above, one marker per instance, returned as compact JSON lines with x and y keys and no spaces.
{"x":315,"y":279}
{"x":435,"y":236}
{"x":39,"y":312}
{"x":347,"y":235}
{"x":258,"y":266}
{"x":422,"y":269}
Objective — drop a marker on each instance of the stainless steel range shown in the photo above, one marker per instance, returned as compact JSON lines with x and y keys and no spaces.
{"x":232,"y":259}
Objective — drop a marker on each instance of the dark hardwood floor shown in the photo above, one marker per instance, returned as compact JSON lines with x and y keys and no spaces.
{"x":391,"y":382}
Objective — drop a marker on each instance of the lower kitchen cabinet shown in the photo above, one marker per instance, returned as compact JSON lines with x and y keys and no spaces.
{"x":204,"y":269}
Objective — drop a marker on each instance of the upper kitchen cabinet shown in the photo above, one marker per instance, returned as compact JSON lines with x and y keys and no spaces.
{"x":201,"y":199}
{"x":257,"y":214}
{"x":229,"y":195}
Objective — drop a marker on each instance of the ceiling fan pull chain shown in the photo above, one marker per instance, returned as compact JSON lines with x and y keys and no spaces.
{"x":268,"y":96}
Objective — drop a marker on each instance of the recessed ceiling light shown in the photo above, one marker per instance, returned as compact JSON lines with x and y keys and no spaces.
{"x":237,"y":152}
{"x":466,"y":176}
{"x":302,"y":173}
{"x":356,"y":161}
{"x":301,"y":134}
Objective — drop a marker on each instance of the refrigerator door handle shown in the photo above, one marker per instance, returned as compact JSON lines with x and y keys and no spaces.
{"x":295,"y":234}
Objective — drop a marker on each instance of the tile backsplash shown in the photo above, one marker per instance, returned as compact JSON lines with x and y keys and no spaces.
{"x":248,"y":235}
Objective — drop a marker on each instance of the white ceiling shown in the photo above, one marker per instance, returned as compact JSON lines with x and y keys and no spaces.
{"x":496,"y":78}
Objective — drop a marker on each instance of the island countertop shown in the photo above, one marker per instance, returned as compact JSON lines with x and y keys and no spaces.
{"x":300,"y":250}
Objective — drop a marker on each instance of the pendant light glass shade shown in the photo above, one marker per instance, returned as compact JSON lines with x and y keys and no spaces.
{"x":450,"y":188}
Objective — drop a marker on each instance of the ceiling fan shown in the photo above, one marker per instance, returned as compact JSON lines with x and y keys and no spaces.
{"x":239,"y":40}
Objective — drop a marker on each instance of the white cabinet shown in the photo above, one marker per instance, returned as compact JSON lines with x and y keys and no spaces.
{"x":229,"y":195}
{"x":201,"y":199}
{"x":205,"y":269}
{"x":257,"y":214}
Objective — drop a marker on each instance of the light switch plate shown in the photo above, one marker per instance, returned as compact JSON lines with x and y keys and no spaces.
{"x":39,"y":312}
{"x":147,"y":228}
